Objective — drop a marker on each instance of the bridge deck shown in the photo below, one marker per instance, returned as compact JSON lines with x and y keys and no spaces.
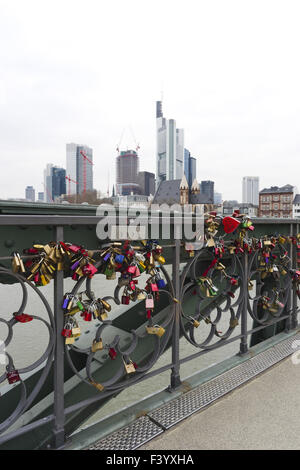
{"x":261,"y":414}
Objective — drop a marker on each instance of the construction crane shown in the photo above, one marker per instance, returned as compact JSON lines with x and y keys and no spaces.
{"x":48,"y":192}
{"x":69,"y":185}
{"x":85,"y":159}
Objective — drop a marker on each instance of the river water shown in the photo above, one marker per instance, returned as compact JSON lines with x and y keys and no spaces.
{"x":30,"y":339}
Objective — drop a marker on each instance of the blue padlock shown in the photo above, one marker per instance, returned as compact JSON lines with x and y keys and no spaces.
{"x":160,"y":283}
{"x":119,"y":258}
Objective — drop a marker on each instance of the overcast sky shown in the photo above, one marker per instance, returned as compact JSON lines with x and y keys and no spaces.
{"x":82,"y":71}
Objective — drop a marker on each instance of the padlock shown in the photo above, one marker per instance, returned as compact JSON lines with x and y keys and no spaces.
{"x":125,"y":299}
{"x":67,"y":331}
{"x":196,"y":323}
{"x":97,"y":385}
{"x":23,"y":317}
{"x":141,"y":295}
{"x":160,"y":259}
{"x":129,"y":367}
{"x":119,"y":258}
{"x":65,"y":302}
{"x":155,"y":330}
{"x":233,"y":322}
{"x":153,"y":286}
{"x":76,"y":332}
{"x":87,"y":316}
{"x":131,"y":269}
{"x":149,"y":302}
{"x":112,"y":353}
{"x":103,"y":316}
{"x":97,"y":345}
{"x":12,"y":376}
{"x":132,"y":285}
{"x":70,"y":340}
{"x":160,"y":283}
{"x":106,"y":305}
{"x":142,"y":266}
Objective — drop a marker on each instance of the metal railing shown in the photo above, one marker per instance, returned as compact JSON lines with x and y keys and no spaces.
{"x":231,"y":302}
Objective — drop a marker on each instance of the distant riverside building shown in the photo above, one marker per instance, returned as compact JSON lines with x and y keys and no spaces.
{"x":277,"y":202}
{"x":251,"y":189}
{"x":30,"y":193}
{"x":127,"y":168}
{"x":146,"y":182}
{"x":54,"y":182}
{"x":41,"y":196}
{"x":78,"y":168}
{"x":189,"y":167}
{"x":207,"y":188}
{"x":169,"y":147}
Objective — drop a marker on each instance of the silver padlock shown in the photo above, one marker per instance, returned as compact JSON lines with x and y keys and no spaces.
{"x":149,"y":301}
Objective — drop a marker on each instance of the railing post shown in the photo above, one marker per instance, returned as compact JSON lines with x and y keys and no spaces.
{"x":175,"y":376}
{"x":244,"y":313}
{"x":288,"y":307}
{"x":59,"y":411}
{"x":294,"y":321}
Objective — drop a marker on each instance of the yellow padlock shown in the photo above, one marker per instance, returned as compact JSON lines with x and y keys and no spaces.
{"x":155,"y":330}
{"x":97,"y":345}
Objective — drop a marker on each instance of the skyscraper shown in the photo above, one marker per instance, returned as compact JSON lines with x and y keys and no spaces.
{"x":146,"y":182}
{"x":251,"y":189}
{"x":207,"y":187}
{"x":30,"y":193}
{"x":78,"y":168}
{"x":189,"y":167}
{"x":127,"y":167}
{"x":169,"y":147}
{"x":54,"y":182}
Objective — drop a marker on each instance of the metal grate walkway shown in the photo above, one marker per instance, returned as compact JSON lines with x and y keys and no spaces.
{"x":156,"y":422}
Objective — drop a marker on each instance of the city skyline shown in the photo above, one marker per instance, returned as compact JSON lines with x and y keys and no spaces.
{"x":239,"y":102}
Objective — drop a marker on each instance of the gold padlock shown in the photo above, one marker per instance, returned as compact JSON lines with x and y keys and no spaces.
{"x":97,"y":385}
{"x":76,"y":332}
{"x":160,"y":259}
{"x":141,"y":295}
{"x":129,"y":367}
{"x":103,"y":316}
{"x":111,"y":276}
{"x":233,"y":322}
{"x":97,"y":345}
{"x":106,"y":305}
{"x":196,"y":323}
{"x":155,"y":330}
{"x":70,"y":340}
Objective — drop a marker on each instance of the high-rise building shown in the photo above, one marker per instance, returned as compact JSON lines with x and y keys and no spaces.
{"x":30,"y":193}
{"x":54,"y":182}
{"x":48,"y":183}
{"x":41,"y":196}
{"x":58,"y":182}
{"x":146,"y":181}
{"x":127,"y":167}
{"x":169,"y":147}
{"x":207,"y":188}
{"x":79,"y":169}
{"x":251,"y":189}
{"x":189,"y":167}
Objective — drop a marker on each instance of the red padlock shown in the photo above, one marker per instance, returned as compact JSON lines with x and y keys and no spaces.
{"x":73,"y":248}
{"x":66,"y":332}
{"x":87,"y":316}
{"x":23,"y":317}
{"x":112,"y":353}
{"x":13,"y":376}
{"x":125,"y":300}
{"x":233,"y":281}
